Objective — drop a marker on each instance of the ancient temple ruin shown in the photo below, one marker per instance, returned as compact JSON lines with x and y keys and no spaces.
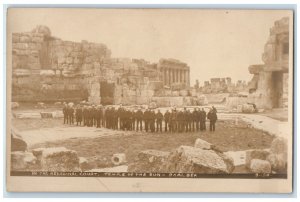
{"x":269,"y":85}
{"x":223,"y":85}
{"x":47,"y":69}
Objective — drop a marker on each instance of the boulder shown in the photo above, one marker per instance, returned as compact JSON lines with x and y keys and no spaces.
{"x":149,"y":161}
{"x":260,"y":166}
{"x":188,"y":159}
{"x":201,"y":144}
{"x":255,"y":154}
{"x":17,"y":143}
{"x":278,"y":162}
{"x":279,"y":146}
{"x":57,"y":159}
{"x":21,"y":160}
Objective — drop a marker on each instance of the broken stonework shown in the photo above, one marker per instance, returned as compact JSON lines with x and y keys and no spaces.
{"x":255,"y":154}
{"x":188,"y":159}
{"x":17,"y":143}
{"x":279,"y":145}
{"x":57,"y":159}
{"x":201,"y":144}
{"x":278,"y":157}
{"x":22,"y":160}
{"x":149,"y":161}
{"x":260,"y":166}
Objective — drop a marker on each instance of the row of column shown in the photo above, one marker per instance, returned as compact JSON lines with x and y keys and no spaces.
{"x":171,"y":76}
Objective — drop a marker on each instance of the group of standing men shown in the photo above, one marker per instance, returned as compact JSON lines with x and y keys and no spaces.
{"x":148,"y":120}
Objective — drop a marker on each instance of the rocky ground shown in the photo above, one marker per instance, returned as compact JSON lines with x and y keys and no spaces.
{"x":102,"y":142}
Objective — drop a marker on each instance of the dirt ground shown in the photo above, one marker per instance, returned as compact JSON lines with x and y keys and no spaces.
{"x":228,"y":137}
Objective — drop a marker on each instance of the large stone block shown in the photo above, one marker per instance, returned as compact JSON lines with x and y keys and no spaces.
{"x":260,"y":166}
{"x":201,"y":144}
{"x":279,"y":145}
{"x":57,"y":159}
{"x":278,"y":162}
{"x":188,"y":159}
{"x":22,"y":160}
{"x":255,"y":154}
{"x":149,"y":161}
{"x":17,"y":143}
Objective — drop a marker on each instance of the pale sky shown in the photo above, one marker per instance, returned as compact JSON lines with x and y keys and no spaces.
{"x":214,"y":43}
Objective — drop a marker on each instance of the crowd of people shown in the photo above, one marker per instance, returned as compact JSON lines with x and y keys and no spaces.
{"x":139,"y":120}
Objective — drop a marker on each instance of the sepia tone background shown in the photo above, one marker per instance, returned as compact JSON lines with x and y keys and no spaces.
{"x":147,"y":185}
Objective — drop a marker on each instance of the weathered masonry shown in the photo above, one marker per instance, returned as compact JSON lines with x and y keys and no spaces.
{"x":46,"y":68}
{"x":269,"y":85}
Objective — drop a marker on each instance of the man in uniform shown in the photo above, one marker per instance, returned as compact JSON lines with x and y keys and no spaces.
{"x":78,"y":115}
{"x":167,"y":120}
{"x":174,"y":120}
{"x":152,"y":120}
{"x":146,"y":119}
{"x":189,"y":120}
{"x":139,"y":119}
{"x":65,"y":112}
{"x":203,"y":120}
{"x":180,"y":120}
{"x":194,"y":120}
{"x":98,"y":116}
{"x":212,"y":116}
{"x":159,"y":117}
{"x":84,"y":115}
{"x":71,"y":114}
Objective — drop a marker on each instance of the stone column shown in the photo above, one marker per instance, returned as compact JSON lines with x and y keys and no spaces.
{"x":177,"y":75}
{"x":188,"y":78}
{"x":183,"y":76}
{"x":180,"y":76}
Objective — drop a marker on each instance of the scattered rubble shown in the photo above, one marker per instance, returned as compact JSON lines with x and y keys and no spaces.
{"x":57,"y":159}
{"x":260,"y":166}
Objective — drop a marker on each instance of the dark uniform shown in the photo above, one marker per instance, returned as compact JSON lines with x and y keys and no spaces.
{"x":78,"y":115}
{"x":189,"y":120}
{"x":85,"y":116}
{"x":212,"y":116}
{"x":180,"y":120}
{"x":98,"y":116}
{"x":152,"y":121}
{"x":65,"y":112}
{"x":185,"y":116}
{"x":194,"y":120}
{"x":202,"y":120}
{"x":139,"y":120}
{"x":173,"y":121}
{"x":146,"y":119}
{"x":167,"y":120}
{"x":159,"y":117}
{"x":71,"y":115}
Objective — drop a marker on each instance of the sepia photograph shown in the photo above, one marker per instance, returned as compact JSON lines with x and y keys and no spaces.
{"x":149,"y":100}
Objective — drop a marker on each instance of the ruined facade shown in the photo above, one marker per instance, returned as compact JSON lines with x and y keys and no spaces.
{"x":223,"y":85}
{"x":269,"y":85}
{"x":174,"y":72}
{"x":46,"y":68}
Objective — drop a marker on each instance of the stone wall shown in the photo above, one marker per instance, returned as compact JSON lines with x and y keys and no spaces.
{"x":46,"y":68}
{"x":269,"y":88}
{"x":223,"y":85}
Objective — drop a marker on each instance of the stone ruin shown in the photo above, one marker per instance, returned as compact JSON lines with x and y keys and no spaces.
{"x":223,"y":85}
{"x":49,"y":69}
{"x":269,"y":85}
